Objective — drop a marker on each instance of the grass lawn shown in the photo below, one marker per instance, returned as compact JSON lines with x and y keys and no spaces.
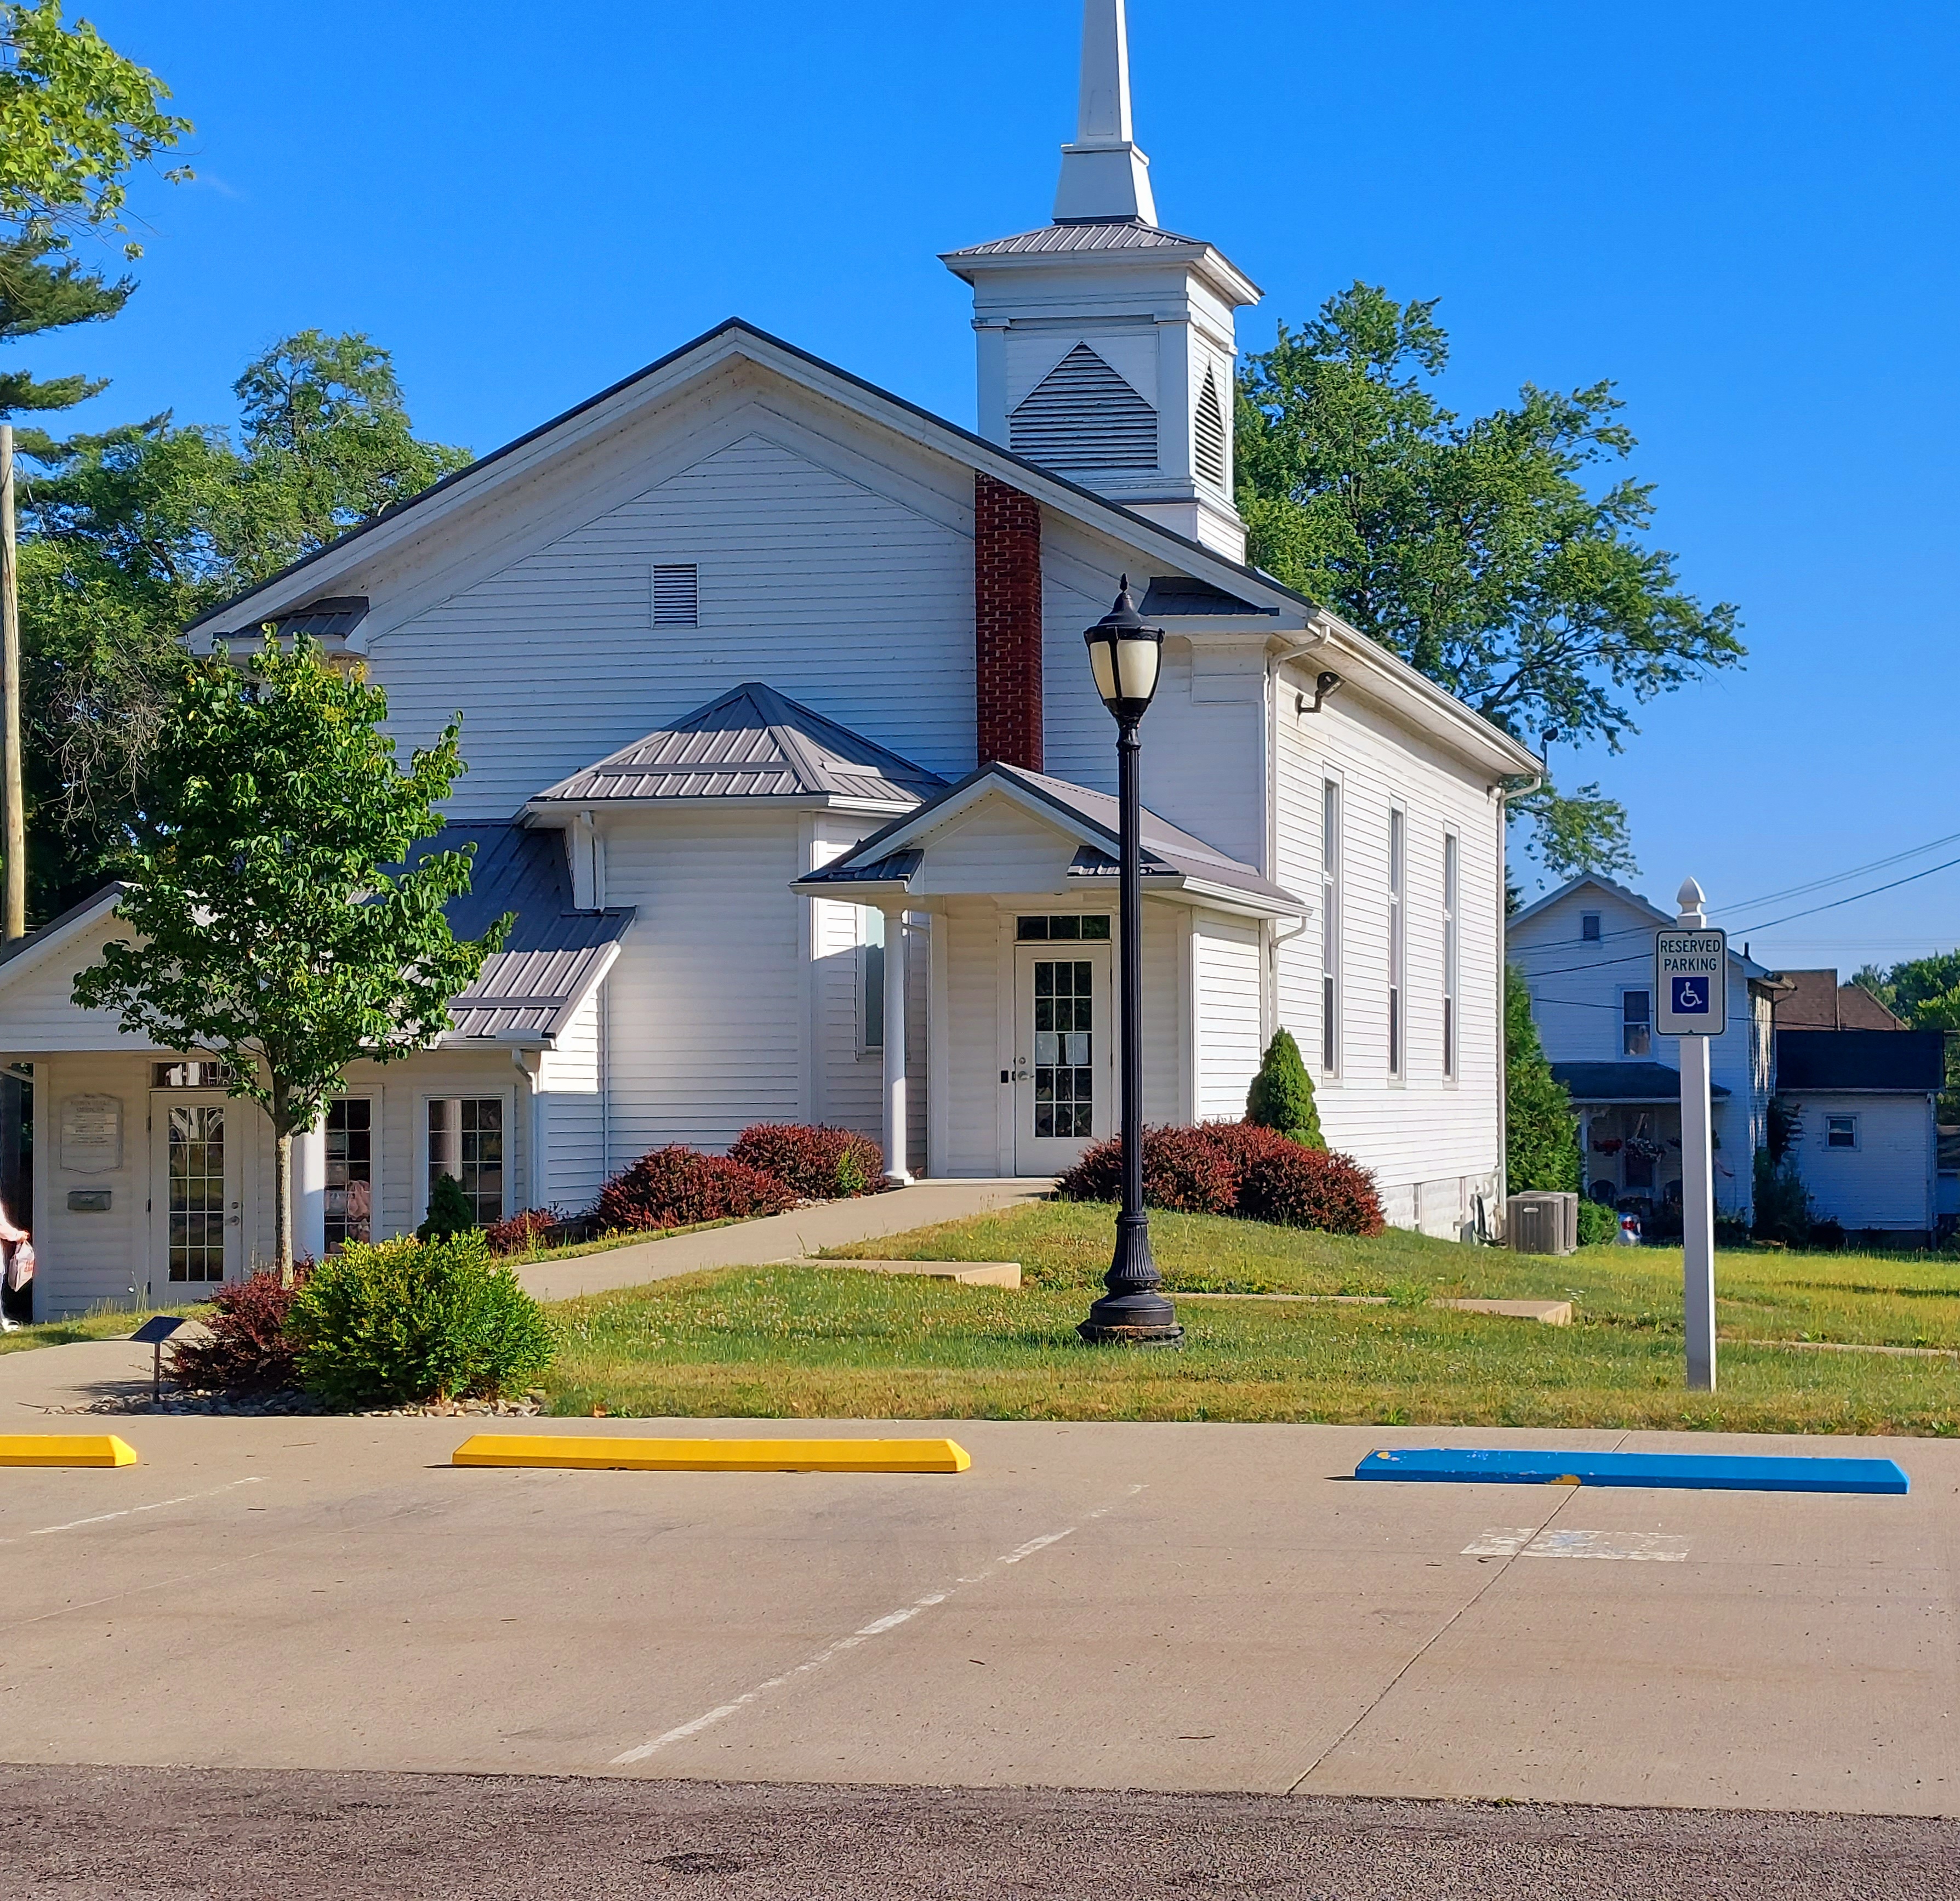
{"x":808,"y":1342}
{"x":115,"y":1324}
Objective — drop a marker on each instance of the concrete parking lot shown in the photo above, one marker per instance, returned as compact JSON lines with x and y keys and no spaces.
{"x":1176,"y":1608}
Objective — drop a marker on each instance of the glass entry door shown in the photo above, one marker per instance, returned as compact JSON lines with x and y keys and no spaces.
{"x":1063,"y":1080}
{"x":196,"y":1203}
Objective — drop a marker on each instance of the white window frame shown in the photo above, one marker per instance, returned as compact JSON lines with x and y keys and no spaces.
{"x":1333,"y":796}
{"x":1397,"y":1024}
{"x":377,"y":1147}
{"x":1842,"y":1148}
{"x":1453,"y":953}
{"x":1595,"y":935}
{"x":509,"y":1097}
{"x":870,"y":919}
{"x":1623,"y":1025}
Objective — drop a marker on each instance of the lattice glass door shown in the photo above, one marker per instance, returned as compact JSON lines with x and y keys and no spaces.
{"x":1062,"y":1074}
{"x":197,"y":1205}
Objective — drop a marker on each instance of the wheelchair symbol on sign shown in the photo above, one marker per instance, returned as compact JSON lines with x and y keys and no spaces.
{"x":1691,"y":997}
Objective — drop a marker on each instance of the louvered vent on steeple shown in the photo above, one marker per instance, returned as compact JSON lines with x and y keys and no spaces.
{"x":1208,"y":433}
{"x":1082,"y":416}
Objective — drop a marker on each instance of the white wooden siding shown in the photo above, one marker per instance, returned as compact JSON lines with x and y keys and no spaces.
{"x":1890,"y":1179}
{"x":1431,"y":1142}
{"x":1226,"y":966}
{"x":568,"y":1084}
{"x":978,"y":946}
{"x":995,"y":847}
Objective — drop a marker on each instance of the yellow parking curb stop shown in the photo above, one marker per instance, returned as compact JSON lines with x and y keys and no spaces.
{"x":563,"y":1451}
{"x":64,"y":1449}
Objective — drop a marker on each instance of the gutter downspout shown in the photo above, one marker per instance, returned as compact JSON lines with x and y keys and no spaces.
{"x":1269,"y":1010}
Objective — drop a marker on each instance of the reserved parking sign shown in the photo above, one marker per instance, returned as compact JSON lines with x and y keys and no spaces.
{"x":1691,"y":982}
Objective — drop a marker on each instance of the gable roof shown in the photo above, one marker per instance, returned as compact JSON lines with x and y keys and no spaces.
{"x":1815,"y":1000}
{"x":751,"y":742}
{"x":1906,"y":1062}
{"x":530,"y":990}
{"x":1667,"y":920}
{"x":1171,"y":859}
{"x":1620,"y":1081}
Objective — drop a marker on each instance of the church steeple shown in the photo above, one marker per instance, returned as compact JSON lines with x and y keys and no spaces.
{"x":1105,"y":179}
{"x":1106,"y":343}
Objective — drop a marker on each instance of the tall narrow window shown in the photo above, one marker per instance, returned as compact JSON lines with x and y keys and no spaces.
{"x":1449,"y":954}
{"x":676,"y":595}
{"x":1636,"y":1022}
{"x":871,"y":956}
{"x":1397,"y":852}
{"x":350,"y":1171}
{"x":1330,"y":927}
{"x":465,"y":1139}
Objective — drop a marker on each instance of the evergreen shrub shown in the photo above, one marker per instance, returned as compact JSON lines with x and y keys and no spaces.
{"x":449,"y":1211}
{"x":677,"y":1186}
{"x":244,"y":1349}
{"x":1782,"y":1204}
{"x":402,"y":1322}
{"x":821,"y":1162}
{"x":1282,"y":1096}
{"x":1597,"y":1223}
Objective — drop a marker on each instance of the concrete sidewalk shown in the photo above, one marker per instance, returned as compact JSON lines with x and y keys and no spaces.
{"x":779,"y":1237}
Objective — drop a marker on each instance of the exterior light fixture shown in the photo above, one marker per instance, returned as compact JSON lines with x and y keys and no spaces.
{"x":1124,"y":655}
{"x":1326,"y":684}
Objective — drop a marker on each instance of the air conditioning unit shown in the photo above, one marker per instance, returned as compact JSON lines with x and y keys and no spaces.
{"x":1545,"y":1221}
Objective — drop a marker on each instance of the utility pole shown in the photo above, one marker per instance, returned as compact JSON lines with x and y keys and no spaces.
{"x":13,"y":816}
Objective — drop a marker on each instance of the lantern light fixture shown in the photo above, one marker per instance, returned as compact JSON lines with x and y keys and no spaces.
{"x":1125,"y":654}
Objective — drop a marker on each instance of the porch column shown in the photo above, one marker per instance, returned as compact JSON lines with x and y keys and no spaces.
{"x":309,"y":1191}
{"x":895,"y":1171}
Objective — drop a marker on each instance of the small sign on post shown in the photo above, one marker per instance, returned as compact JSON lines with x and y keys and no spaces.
{"x":1691,"y":999}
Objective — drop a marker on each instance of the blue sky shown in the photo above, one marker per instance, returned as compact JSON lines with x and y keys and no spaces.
{"x":1742,"y":213}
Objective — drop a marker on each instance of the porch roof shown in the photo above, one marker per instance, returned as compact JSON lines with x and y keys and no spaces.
{"x":1172,"y":860}
{"x":1644,"y":1083}
{"x":752,"y":742}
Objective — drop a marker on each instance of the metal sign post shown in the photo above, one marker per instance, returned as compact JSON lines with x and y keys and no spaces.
{"x":1691,"y":994}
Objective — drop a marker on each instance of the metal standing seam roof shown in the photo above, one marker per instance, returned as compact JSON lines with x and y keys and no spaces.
{"x":1175,"y":595}
{"x":1623,"y":1082}
{"x":530,"y":987}
{"x":1910,"y":1062}
{"x":1166,"y":851}
{"x":751,"y":743}
{"x":1124,"y":234}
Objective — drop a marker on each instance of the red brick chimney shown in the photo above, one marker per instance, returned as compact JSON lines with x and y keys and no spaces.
{"x":1007,"y":623}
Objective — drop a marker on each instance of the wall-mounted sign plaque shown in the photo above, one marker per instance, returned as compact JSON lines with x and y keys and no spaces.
{"x":91,"y":1135}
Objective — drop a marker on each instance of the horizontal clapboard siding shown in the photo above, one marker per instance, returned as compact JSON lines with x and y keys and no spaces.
{"x":1225,"y":963}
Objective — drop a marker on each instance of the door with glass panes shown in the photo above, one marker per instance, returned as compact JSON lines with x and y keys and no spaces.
{"x":1063,"y":1079}
{"x":197,"y":1200}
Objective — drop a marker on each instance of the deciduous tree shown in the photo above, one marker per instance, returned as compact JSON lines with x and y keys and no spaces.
{"x":273,"y":927}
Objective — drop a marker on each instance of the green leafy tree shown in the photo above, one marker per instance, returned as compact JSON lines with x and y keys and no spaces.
{"x":1282,"y":1096}
{"x":270,"y":929}
{"x":1479,"y":551}
{"x":1541,"y":1132}
{"x":76,"y":118}
{"x":1925,"y":992}
{"x":133,"y":533}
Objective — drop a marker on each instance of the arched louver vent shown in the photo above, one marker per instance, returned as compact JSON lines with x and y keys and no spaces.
{"x":1208,"y":433}
{"x":1082,"y":415}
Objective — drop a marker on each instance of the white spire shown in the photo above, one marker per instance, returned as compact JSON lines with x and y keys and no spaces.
{"x":1103,"y":175}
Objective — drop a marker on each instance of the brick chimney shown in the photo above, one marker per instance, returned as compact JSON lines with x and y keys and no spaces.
{"x":1007,"y":623}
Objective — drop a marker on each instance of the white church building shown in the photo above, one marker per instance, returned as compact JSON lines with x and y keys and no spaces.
{"x":783,"y":747}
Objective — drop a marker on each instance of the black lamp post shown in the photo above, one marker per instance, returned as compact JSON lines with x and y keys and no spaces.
{"x":1124,"y":655}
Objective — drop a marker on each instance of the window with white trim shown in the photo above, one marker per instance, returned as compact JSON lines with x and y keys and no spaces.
{"x":1840,"y":1132}
{"x":1330,"y":927}
{"x":1397,"y":987}
{"x":465,"y":1139}
{"x":351,"y":1129}
{"x":871,"y":981}
{"x":1450,"y":954}
{"x":1589,"y":927}
{"x":1636,"y":1022}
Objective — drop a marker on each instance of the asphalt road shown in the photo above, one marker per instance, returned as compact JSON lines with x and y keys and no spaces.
{"x":178,"y":1835}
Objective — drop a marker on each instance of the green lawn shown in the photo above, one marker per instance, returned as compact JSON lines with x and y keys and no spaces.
{"x":805,"y":1342}
{"x":114,"y":1324}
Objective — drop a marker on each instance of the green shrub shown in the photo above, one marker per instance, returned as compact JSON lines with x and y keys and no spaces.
{"x":1541,"y":1132}
{"x":1597,"y":1223}
{"x":1782,"y":1208}
{"x":402,"y":1322}
{"x":449,"y":1211}
{"x":1282,"y":1096}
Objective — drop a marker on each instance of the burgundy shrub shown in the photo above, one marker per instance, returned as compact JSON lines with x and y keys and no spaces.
{"x":519,"y":1234}
{"x":1236,"y":1168}
{"x":1284,"y":1181}
{"x":246,"y":1350}
{"x":821,"y":1162}
{"x":676,"y":1186}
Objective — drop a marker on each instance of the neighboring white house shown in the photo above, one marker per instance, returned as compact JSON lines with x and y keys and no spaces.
{"x":1587,"y":954}
{"x":715,"y":628}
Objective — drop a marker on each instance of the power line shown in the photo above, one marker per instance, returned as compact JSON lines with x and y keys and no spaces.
{"x":1838,"y":877}
{"x":1911,"y":877}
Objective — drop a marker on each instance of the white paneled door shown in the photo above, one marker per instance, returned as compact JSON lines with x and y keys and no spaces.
{"x":1064,"y":1032}
{"x":197,"y":1210}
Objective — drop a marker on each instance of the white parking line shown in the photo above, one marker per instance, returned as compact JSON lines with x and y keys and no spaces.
{"x":1504,"y":1541}
{"x":130,"y":1511}
{"x":876,"y":1628}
